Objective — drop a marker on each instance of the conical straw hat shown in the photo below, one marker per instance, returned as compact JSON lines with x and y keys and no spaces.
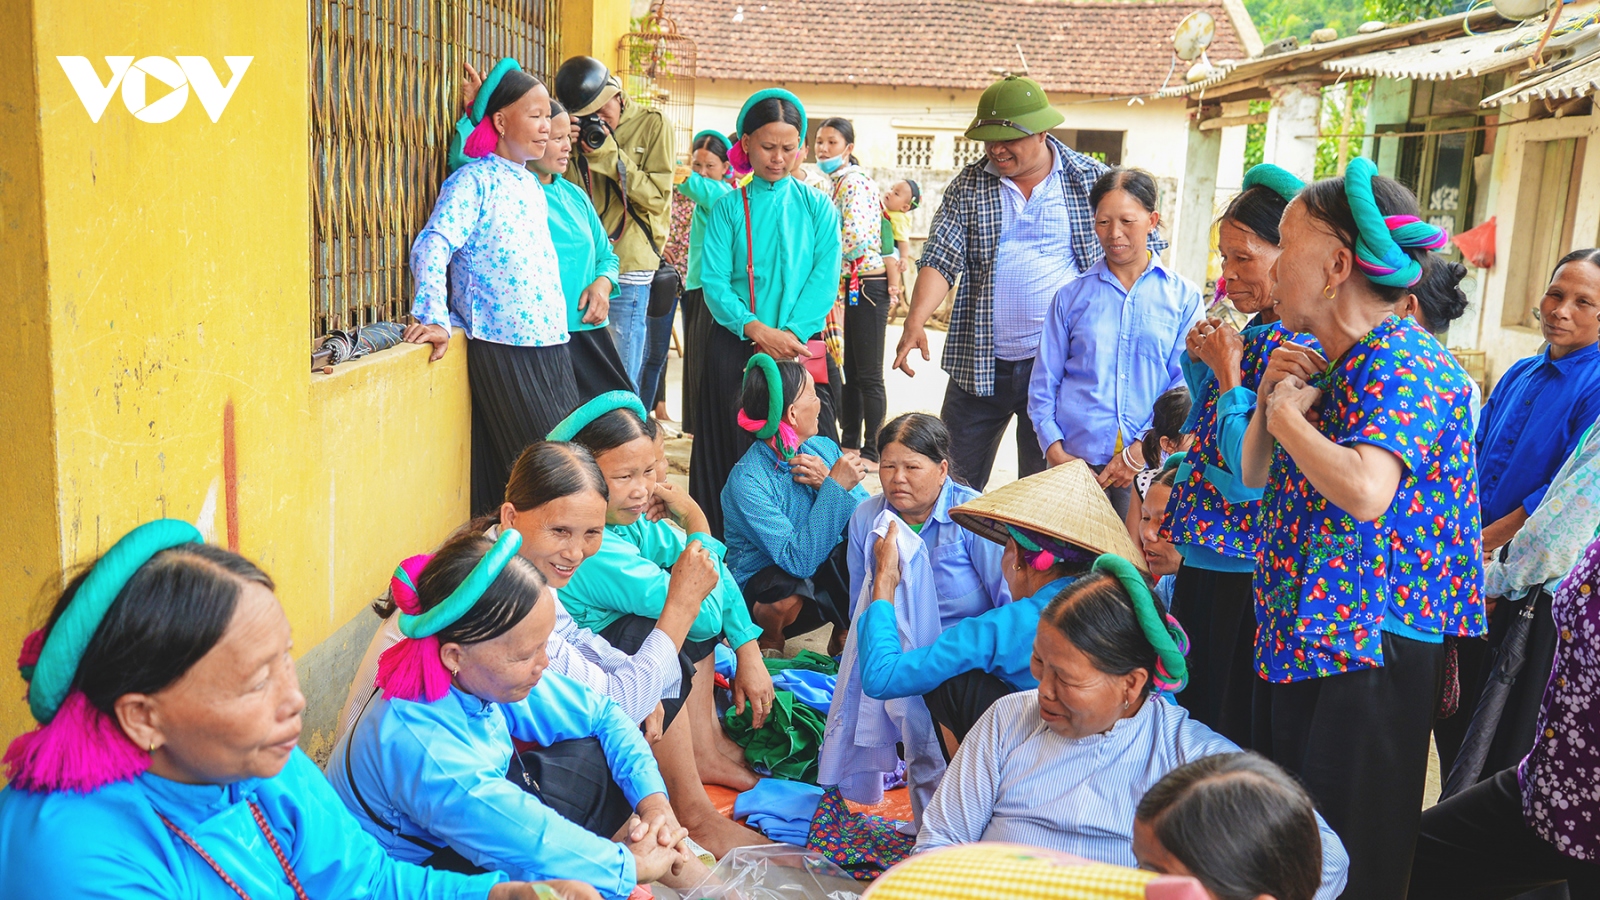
{"x":1064,"y":502}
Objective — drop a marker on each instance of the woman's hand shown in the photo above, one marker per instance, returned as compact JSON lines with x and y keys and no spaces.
{"x":1197,"y":335}
{"x":654,"y":725}
{"x":809,"y":470}
{"x":1289,"y":359}
{"x":776,"y":342}
{"x":1118,"y":473}
{"x":752,"y":683}
{"x":886,"y":574}
{"x":694,"y":576}
{"x":1291,"y":402}
{"x":595,"y":301}
{"x":679,"y":504}
{"x":652,"y":859}
{"x":848,"y":471}
{"x":437,"y":335}
{"x":525,"y":890}
{"x":1057,"y":455}
{"x":1223,"y":350}
{"x":471,"y":83}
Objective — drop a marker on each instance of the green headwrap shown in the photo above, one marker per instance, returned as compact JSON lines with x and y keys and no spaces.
{"x":491,"y":81}
{"x":1276,"y":179}
{"x":64,"y":648}
{"x":1163,"y":632}
{"x":713,"y":133}
{"x":581,"y":417}
{"x":769,"y":94}
{"x":467,"y":594}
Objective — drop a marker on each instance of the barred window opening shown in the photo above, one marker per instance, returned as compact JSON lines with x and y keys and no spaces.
{"x":385,"y":95}
{"x":914,"y":151}
{"x":967,"y":151}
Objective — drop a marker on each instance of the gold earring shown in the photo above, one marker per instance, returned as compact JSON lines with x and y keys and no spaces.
{"x":152,"y":747}
{"x":1328,"y":292}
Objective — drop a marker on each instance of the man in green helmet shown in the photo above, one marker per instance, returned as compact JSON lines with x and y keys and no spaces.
{"x":1017,"y":226}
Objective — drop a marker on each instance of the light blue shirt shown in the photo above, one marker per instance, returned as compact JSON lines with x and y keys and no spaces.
{"x":112,"y":843}
{"x":771,"y":519}
{"x":999,"y":642}
{"x":1106,"y":355}
{"x":485,"y":261}
{"x":966,"y":567}
{"x":1015,"y":780}
{"x":437,"y":771}
{"x":1033,"y":262}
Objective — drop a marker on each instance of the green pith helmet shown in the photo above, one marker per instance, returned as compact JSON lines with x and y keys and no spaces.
{"x":1014,"y":107}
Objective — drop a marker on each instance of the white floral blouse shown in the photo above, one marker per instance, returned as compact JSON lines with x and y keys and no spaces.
{"x":861,"y":217}
{"x":485,"y":261}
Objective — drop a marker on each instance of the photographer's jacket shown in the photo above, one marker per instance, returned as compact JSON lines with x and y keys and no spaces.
{"x":645,"y":139}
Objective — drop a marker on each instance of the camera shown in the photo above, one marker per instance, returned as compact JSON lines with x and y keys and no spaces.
{"x":592,"y":132}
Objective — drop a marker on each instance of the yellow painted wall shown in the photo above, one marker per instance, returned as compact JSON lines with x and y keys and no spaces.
{"x":160,"y":272}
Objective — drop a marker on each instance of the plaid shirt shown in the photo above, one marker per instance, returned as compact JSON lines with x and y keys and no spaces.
{"x":964,"y":239}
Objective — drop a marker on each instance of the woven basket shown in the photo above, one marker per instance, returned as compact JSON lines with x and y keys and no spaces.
{"x":1064,"y":502}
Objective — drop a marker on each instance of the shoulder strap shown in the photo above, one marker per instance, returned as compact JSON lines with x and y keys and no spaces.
{"x":749,"y":249}
{"x":350,"y":776}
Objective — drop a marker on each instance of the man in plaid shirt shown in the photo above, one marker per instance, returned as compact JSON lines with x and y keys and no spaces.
{"x":1016,"y":227}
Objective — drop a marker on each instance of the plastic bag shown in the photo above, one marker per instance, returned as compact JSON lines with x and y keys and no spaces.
{"x":773,"y":872}
{"x":1477,"y":245}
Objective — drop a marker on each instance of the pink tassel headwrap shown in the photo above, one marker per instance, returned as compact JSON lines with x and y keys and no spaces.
{"x":788,"y":440}
{"x":738,"y":159}
{"x":483,"y":139}
{"x":411,"y":670}
{"x":82,"y":749}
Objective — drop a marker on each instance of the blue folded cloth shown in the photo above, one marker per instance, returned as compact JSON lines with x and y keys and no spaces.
{"x":781,"y":810}
{"x":814,"y":689}
{"x":725,"y":662}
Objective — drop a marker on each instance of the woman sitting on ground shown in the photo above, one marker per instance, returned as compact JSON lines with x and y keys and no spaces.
{"x":431,"y":768}
{"x":165,"y":762}
{"x":1237,"y":823}
{"x":626,"y":583}
{"x":1064,"y":766}
{"x":786,"y":506}
{"x":980,"y":659}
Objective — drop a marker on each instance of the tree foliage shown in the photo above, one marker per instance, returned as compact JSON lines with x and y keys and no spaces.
{"x":1298,"y":18}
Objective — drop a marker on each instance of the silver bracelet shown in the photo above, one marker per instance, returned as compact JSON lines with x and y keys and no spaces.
{"x":1137,"y":467}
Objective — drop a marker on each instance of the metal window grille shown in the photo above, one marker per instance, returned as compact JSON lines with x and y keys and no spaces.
{"x":967,"y":151}
{"x":385,"y":95}
{"x":914,"y":151}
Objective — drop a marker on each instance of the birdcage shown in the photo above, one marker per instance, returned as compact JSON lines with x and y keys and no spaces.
{"x":657,"y":65}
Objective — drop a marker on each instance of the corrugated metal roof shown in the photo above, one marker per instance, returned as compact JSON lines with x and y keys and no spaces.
{"x":1462,"y":57}
{"x":1577,"y":80}
{"x":1313,"y":54}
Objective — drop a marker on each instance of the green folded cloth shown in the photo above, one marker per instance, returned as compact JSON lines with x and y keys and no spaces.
{"x":787,"y":745}
{"x":805,"y":659}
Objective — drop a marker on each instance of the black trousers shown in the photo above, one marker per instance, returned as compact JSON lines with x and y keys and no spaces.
{"x":978,"y":423}
{"x":628,"y":634}
{"x":1477,"y":846}
{"x":825,"y":596}
{"x":596,"y":365}
{"x":1448,"y":733}
{"x":864,"y":399}
{"x":1217,"y":610}
{"x":960,"y":702}
{"x":1359,"y":744}
{"x":518,"y":395}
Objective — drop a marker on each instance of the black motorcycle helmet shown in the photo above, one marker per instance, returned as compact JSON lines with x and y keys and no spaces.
{"x":580,"y":83}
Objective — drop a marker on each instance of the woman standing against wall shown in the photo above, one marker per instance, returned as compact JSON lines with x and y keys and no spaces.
{"x":769,"y":271}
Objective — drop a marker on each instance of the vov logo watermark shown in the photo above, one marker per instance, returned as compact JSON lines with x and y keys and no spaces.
{"x":134,"y":76}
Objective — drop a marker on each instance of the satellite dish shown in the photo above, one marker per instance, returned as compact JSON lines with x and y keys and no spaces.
{"x":1199,"y":28}
{"x":1520,"y":10}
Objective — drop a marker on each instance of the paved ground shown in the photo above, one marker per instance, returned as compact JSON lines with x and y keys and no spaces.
{"x":924,"y":393}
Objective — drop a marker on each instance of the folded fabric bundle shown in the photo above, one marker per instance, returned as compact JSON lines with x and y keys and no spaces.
{"x":786,"y":745}
{"x":805,"y":659}
{"x":724,"y":661}
{"x":860,"y":844}
{"x":810,"y":687}
{"x":781,"y":810}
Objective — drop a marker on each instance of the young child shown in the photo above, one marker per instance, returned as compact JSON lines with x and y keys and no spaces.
{"x":897,"y":206}
{"x":1237,"y":823}
{"x":1165,"y":437}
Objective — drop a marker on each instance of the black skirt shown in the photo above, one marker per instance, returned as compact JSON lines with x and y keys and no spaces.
{"x":1217,"y":610}
{"x":693,"y":307}
{"x":596,"y":365}
{"x":518,"y":395}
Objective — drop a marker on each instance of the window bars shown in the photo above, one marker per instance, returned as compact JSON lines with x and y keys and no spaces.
{"x":967,"y":151}
{"x":914,"y":151}
{"x":385,"y":95}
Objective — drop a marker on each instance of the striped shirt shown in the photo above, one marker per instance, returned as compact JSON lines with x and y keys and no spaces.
{"x":1016,"y":780}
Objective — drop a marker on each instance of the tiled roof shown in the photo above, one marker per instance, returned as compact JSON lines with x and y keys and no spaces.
{"x":1091,"y":48}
